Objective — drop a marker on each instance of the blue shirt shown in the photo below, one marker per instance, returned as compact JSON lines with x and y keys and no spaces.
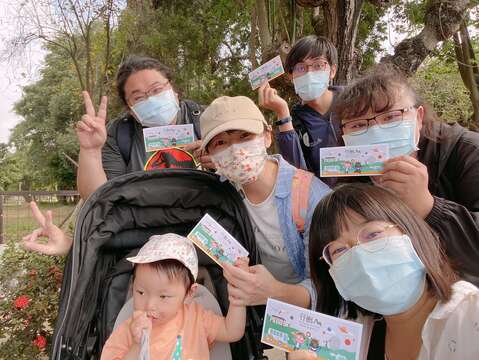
{"x":313,"y":131}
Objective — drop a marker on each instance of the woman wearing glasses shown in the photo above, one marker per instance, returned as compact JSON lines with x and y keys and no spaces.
{"x":375,"y":261}
{"x":434,"y":167}
{"x":145,"y":88}
{"x":311,"y":65}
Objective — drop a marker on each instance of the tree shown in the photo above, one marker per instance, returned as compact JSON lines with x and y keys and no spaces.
{"x":69,"y":25}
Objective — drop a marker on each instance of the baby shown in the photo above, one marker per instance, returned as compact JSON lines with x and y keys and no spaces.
{"x":164,"y":278}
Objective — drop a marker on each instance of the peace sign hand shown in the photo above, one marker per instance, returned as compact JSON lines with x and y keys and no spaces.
{"x":58,"y":243}
{"x":91,"y":130}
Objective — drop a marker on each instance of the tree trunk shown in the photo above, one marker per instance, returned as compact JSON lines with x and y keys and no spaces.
{"x":264,"y":33}
{"x":342,"y":17}
{"x":467,"y":67}
{"x":442,"y":20}
{"x":338,"y":21}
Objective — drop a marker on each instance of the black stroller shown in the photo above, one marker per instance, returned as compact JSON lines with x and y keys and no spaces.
{"x":115,"y":222}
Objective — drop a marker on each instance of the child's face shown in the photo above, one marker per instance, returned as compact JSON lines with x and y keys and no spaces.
{"x":160,"y":297}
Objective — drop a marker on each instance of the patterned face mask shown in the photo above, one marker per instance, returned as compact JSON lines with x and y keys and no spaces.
{"x":241,"y":163}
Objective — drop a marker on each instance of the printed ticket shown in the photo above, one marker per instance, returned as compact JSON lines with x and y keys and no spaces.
{"x":216,"y":242}
{"x":268,"y":71}
{"x":364,"y":160}
{"x":290,"y":328}
{"x":160,"y":137}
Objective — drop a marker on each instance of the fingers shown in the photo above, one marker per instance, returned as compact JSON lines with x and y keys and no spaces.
{"x":49,"y":219}
{"x":193,"y":147}
{"x":37,"y":247}
{"x":408,"y":159}
{"x":237,"y":277}
{"x":82,"y":126}
{"x":89,"y":108}
{"x":396,"y":176}
{"x":30,"y":243}
{"x":37,"y":214}
{"x":33,"y":235}
{"x":402,"y":166}
{"x":103,"y":107}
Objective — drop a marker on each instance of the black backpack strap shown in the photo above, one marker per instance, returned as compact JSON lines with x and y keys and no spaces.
{"x":124,"y":137}
{"x":194,"y":112}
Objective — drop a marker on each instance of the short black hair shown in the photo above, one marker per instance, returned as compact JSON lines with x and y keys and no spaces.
{"x":136,"y":63}
{"x":310,"y":47}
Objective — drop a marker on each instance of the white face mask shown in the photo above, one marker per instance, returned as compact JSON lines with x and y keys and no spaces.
{"x":157,"y":110}
{"x":242,"y":163}
{"x":311,"y":85}
{"x":388,"y":281}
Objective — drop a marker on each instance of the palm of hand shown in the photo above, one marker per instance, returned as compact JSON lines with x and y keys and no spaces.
{"x":91,"y":129}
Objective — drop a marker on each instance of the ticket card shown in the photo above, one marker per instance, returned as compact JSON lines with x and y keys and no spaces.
{"x":289,"y":327}
{"x":216,"y":242}
{"x":364,"y":160}
{"x":160,"y":137}
{"x":266,"y":72}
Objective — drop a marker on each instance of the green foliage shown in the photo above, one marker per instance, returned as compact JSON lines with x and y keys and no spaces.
{"x":29,"y":292}
{"x":440,"y":84}
{"x":50,"y":107}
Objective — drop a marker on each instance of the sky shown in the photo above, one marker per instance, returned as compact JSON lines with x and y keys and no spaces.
{"x":14,"y":75}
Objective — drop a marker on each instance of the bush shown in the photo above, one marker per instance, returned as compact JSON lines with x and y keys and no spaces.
{"x":29,"y":293}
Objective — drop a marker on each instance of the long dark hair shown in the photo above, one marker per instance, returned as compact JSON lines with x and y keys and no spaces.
{"x":378,"y":90}
{"x":371,"y":203}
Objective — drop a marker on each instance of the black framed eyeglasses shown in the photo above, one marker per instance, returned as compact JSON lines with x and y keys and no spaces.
{"x":388,"y":119}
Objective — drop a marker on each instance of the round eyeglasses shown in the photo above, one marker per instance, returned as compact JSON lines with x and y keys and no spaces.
{"x":139,"y":96}
{"x":318,"y":65}
{"x":388,"y":119}
{"x":367,"y":234}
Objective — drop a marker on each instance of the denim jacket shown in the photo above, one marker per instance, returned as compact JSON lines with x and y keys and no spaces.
{"x":297,"y":244}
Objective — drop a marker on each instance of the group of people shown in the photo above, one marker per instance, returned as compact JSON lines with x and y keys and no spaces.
{"x":396,"y":252}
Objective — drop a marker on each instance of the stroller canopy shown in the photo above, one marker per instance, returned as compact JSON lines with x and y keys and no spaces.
{"x":118,"y":219}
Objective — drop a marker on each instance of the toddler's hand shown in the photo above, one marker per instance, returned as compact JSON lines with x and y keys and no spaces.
{"x":140,"y":322}
{"x":242,"y":263}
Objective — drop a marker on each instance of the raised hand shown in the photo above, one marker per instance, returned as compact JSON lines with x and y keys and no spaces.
{"x":58,"y":242}
{"x":91,"y":130}
{"x":268,"y":98}
{"x":408,"y":178}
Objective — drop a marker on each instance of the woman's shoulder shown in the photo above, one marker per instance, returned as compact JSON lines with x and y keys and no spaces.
{"x":464,"y":298}
{"x":450,"y":328}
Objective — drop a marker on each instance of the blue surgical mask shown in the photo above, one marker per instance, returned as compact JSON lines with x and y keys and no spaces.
{"x":157,"y":110}
{"x":311,"y":85}
{"x":401,"y":138}
{"x":387,"y":281}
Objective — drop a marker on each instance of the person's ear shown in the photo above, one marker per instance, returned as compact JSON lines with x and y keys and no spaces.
{"x":190,"y":294}
{"x":332,"y":73}
{"x":420,"y":112}
{"x":268,"y":138}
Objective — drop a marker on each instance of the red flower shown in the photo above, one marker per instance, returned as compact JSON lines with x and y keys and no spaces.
{"x":40,"y":342}
{"x":22,"y":302}
{"x":32,"y":272}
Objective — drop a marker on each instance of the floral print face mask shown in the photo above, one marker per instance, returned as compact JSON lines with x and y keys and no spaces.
{"x":242,"y":163}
